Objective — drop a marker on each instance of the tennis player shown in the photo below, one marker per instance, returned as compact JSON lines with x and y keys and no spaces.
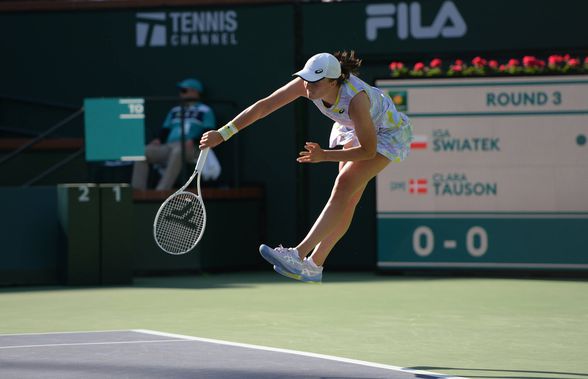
{"x":368,"y":126}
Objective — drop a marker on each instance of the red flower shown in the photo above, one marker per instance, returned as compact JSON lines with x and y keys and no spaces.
{"x":394,"y":66}
{"x":554,"y":60}
{"x":435,"y":63}
{"x":529,"y":64}
{"x":479,"y":62}
{"x":529,"y":61}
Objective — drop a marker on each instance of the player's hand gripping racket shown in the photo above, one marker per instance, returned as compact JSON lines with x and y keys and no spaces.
{"x":180,"y":221}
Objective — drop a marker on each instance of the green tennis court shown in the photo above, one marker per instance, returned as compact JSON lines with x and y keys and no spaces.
{"x":462,"y":124}
{"x":476,"y":328}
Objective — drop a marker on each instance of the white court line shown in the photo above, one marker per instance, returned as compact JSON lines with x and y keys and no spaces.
{"x":89,"y":343}
{"x":48,"y":333}
{"x":301,"y":353}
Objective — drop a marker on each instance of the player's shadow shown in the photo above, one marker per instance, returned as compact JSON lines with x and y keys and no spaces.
{"x":252,"y":279}
{"x":202,"y":281}
{"x":217,"y":280}
{"x":491,"y":373}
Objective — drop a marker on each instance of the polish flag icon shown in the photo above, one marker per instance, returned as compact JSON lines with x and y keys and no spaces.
{"x":419,"y":142}
{"x":417,"y":186}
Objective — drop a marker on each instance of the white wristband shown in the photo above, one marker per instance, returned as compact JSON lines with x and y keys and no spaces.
{"x":228,"y":131}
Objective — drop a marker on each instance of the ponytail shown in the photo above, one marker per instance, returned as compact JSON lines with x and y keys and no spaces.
{"x":349,"y":64}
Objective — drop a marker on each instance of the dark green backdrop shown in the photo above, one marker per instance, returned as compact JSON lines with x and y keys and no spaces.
{"x":67,"y":56}
{"x":64,"y":57}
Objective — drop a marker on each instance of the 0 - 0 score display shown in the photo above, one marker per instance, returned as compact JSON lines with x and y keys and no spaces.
{"x":424,"y":242}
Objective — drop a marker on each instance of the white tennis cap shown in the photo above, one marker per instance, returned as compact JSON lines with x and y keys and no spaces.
{"x":323,"y":65}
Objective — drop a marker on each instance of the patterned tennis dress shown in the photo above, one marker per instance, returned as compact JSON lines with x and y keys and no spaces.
{"x":393,"y":128}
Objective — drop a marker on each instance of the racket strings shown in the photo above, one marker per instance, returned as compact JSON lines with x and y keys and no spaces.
{"x":180,"y":223}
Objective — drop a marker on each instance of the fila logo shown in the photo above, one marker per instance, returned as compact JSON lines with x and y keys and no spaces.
{"x":151,"y":29}
{"x":448,"y":22}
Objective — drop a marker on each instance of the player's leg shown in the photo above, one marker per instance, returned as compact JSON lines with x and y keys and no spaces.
{"x":322,"y":250}
{"x":351,"y":179}
{"x":329,"y":227}
{"x":293,"y":262}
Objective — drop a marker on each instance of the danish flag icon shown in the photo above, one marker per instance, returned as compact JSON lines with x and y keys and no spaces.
{"x":418,"y":186}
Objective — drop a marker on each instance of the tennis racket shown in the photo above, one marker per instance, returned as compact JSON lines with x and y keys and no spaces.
{"x":180,"y":220}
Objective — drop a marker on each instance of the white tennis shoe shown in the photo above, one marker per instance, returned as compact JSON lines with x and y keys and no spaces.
{"x":287,"y":258}
{"x":311,"y":273}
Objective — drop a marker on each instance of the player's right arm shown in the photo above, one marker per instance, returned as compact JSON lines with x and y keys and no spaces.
{"x":284,"y":95}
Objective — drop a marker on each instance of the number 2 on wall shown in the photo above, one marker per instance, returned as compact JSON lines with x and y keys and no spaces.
{"x":84,"y":194}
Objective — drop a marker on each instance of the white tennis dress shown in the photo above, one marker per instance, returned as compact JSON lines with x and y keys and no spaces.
{"x":393,"y":128}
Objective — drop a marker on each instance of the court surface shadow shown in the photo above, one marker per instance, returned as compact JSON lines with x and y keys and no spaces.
{"x":492,"y":373}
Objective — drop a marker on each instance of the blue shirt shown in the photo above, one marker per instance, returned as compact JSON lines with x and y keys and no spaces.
{"x":198,"y":119}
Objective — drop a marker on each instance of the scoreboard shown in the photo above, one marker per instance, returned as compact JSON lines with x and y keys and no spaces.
{"x":114,"y":129}
{"x":497,"y":176}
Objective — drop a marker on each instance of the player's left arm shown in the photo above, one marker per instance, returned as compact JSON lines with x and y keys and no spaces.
{"x":359,"y":112}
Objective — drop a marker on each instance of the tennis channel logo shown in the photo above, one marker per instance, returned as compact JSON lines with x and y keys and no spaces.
{"x":407,"y":18}
{"x":174,"y":29}
{"x":451,"y":184}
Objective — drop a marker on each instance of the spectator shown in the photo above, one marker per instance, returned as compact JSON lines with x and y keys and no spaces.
{"x":166,"y":150}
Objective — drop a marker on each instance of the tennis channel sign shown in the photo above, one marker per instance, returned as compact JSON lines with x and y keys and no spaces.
{"x":497,"y":176}
{"x":114,"y":129}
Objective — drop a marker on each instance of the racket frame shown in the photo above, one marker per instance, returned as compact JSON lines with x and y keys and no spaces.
{"x":197,"y":173}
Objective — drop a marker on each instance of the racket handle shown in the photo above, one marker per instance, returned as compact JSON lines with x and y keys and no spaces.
{"x":202,"y":159}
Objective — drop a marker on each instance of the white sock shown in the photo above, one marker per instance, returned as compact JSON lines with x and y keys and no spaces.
{"x":311,"y":261}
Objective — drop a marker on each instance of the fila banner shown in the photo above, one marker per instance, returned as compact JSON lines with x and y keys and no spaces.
{"x":488,"y":153}
{"x":390,"y":28}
